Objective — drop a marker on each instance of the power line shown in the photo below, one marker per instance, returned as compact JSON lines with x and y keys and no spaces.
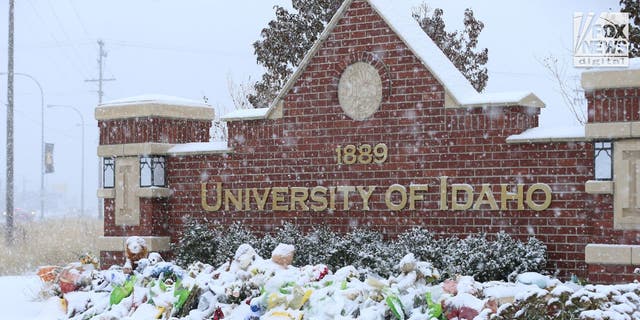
{"x":71,"y":59}
{"x":152,"y":46}
{"x":84,"y":29}
{"x":66,"y":35}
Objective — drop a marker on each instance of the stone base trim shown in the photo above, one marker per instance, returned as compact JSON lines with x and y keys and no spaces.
{"x":134,"y":149}
{"x":106,"y":193}
{"x":117,"y":243}
{"x":598,"y":187}
{"x":612,"y":254}
{"x":154,"y":192}
{"x":610,"y":130}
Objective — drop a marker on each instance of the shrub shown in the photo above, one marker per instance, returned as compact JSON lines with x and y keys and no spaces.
{"x":198,"y":243}
{"x":366,"y":250}
{"x":230,"y":240}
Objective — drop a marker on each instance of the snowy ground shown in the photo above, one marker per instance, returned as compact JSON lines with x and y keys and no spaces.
{"x":17,"y":297}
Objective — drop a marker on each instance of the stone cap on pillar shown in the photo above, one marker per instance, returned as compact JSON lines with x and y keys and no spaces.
{"x":154,"y":106}
{"x":612,"y":78}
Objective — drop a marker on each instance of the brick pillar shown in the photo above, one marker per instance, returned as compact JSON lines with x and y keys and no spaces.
{"x":136,"y":133}
{"x":613,"y":98}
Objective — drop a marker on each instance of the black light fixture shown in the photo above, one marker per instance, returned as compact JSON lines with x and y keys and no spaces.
{"x":603,"y":160}
{"x":108,"y":173}
{"x":152,"y":173}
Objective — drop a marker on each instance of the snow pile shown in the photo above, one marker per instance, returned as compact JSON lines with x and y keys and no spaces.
{"x":250,"y":287}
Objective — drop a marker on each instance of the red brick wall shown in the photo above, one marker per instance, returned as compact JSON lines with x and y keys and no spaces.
{"x":153,"y":219}
{"x":161,"y":130}
{"x":613,"y":105}
{"x":612,"y":274}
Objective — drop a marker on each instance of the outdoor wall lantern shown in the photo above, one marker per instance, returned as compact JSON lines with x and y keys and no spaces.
{"x":603,"y":151}
{"x":108,"y":173}
{"x":152,"y":173}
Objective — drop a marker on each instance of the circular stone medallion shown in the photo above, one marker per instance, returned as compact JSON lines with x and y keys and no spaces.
{"x":360,"y":91}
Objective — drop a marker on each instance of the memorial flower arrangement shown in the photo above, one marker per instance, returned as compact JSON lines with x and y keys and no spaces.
{"x":249,"y":286}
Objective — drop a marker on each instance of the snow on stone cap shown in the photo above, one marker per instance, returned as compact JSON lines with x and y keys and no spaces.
{"x":549,"y":134}
{"x":610,"y":78}
{"x":200,"y":148}
{"x":246,"y":114}
{"x":155,"y":99}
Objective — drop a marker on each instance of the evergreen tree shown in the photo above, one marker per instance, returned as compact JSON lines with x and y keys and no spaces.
{"x":459,"y":47}
{"x":288,"y":37}
{"x":633,"y":8}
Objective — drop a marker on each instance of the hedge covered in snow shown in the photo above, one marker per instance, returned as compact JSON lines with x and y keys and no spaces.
{"x":497,"y":258}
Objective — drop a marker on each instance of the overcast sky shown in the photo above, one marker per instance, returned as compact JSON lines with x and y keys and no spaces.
{"x":192,"y":48}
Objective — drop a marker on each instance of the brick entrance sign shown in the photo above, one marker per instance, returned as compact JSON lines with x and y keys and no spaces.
{"x":378,"y":129}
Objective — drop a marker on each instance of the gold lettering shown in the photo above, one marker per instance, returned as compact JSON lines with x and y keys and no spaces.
{"x":443,"y":193}
{"x":247,"y":199}
{"x":413,"y":197}
{"x":203,"y":197}
{"x":403,"y":197}
{"x":332,"y":198}
{"x":506,"y":195}
{"x":277,"y":197}
{"x":299,"y":195}
{"x":454,"y":196}
{"x":322,"y":200}
{"x":547,"y":197}
{"x":365,"y":195}
{"x":261,"y":201}
{"x":230,"y":197}
{"x":486,"y":197}
{"x":346,"y":190}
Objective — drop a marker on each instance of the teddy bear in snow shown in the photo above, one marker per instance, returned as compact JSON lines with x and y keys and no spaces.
{"x":135,"y":250}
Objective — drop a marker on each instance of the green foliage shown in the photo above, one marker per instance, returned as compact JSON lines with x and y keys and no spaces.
{"x":488,"y":260}
{"x":285,"y":42}
{"x":198,"y":243}
{"x":458,"y":46}
{"x":230,"y":240}
{"x":633,"y":8}
{"x":477,"y":256}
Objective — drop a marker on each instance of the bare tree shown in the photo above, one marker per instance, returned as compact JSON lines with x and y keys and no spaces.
{"x":569,"y":87}
{"x":239,"y":93}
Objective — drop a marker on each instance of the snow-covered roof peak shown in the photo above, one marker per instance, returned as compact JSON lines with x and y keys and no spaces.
{"x":397,"y":15}
{"x":155,"y":99}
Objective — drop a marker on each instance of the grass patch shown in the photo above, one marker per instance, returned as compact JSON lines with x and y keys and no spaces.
{"x":48,"y":242}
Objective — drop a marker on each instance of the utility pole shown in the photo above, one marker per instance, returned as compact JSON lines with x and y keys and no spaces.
{"x":101,"y":54}
{"x":9,"y":199}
